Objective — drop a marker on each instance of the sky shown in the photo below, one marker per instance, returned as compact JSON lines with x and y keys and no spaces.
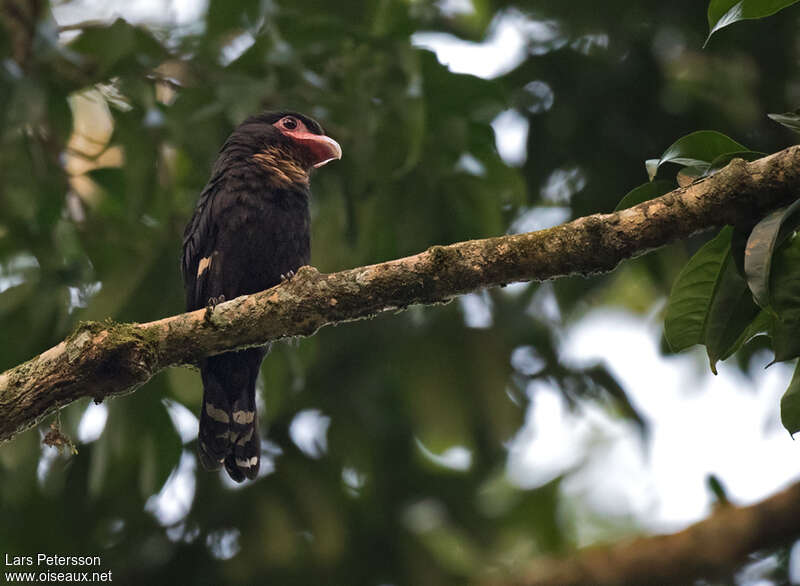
{"x":727,"y":425}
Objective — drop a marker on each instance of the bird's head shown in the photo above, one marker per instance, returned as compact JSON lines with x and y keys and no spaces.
{"x":284,"y":144}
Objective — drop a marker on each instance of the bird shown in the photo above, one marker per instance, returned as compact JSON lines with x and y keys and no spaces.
{"x":250,"y":231}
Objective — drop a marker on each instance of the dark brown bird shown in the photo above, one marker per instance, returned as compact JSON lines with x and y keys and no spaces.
{"x":249,"y":231}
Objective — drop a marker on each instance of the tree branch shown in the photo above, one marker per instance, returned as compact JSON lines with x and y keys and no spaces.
{"x":99,"y":360}
{"x":706,"y":549}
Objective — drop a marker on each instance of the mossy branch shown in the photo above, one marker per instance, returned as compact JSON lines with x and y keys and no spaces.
{"x":103,"y":359}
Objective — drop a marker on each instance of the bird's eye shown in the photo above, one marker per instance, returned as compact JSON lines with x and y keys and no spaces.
{"x":290,"y":123}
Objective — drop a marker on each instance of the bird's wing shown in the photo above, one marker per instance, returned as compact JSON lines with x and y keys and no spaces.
{"x":199,"y":243}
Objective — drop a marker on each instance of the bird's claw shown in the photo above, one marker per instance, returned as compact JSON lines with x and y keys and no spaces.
{"x":210,"y":305}
{"x":286,"y":276}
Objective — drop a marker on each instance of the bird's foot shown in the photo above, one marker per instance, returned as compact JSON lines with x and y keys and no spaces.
{"x":212,"y":303}
{"x":287,"y":276}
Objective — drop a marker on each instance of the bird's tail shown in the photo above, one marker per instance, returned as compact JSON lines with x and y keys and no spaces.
{"x":228,"y":420}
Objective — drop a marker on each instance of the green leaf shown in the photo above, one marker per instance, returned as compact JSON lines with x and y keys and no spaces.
{"x":693,"y":292}
{"x":699,"y":149}
{"x":738,"y":246}
{"x":710,"y":303}
{"x":785,"y":341}
{"x":722,"y":13}
{"x":764,"y":238}
{"x":785,"y":301}
{"x":790,"y":403}
{"x":717,"y":489}
{"x":760,"y":325}
{"x":790,"y":120}
{"x":602,"y":377}
{"x":644,"y":192}
{"x":722,"y":160}
{"x":731,"y":312}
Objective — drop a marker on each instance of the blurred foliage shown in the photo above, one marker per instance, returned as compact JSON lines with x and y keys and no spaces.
{"x":107,"y":132}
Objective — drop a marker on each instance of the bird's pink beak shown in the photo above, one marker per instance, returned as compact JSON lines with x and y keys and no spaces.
{"x":323,"y":149}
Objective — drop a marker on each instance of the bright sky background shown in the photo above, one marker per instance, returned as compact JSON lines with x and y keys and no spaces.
{"x":726,"y":425}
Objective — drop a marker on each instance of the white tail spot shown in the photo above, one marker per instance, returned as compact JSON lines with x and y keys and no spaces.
{"x":242,"y":417}
{"x":247,"y":463}
{"x":204,"y":263}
